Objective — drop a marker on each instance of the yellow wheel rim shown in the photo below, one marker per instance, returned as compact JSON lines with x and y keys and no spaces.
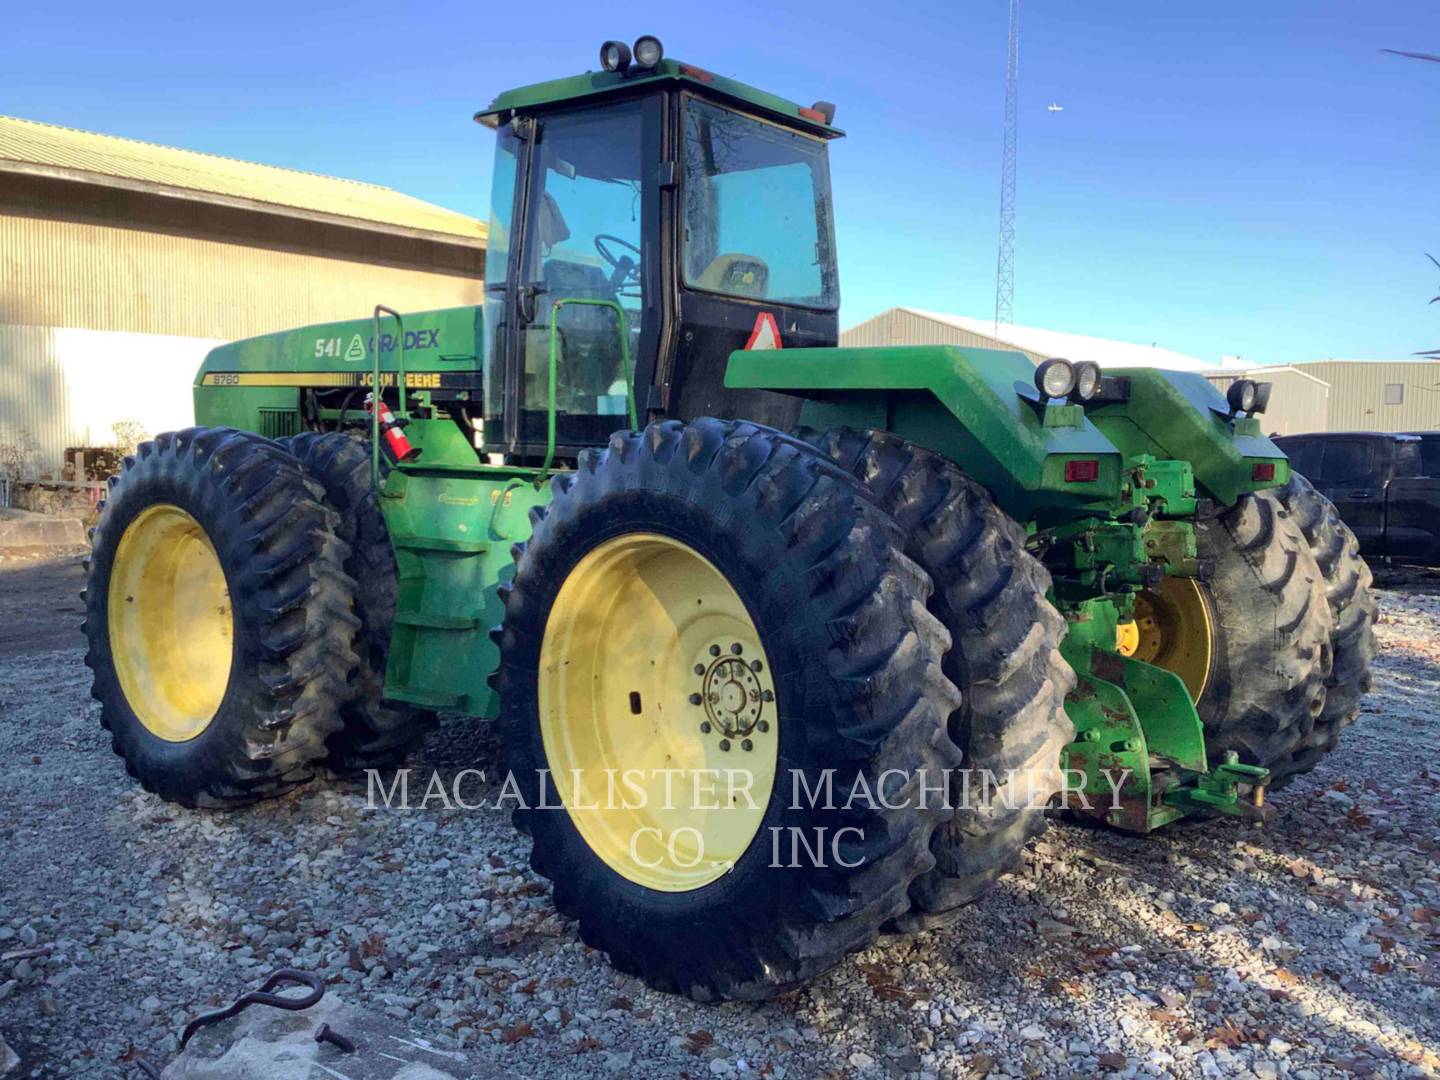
{"x":171,"y":627}
{"x":657,"y":712}
{"x":1173,"y":629}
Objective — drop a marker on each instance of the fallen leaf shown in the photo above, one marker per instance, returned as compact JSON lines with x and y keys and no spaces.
{"x":512,"y":1035}
{"x":1227,"y":1034}
{"x":697,"y":1041}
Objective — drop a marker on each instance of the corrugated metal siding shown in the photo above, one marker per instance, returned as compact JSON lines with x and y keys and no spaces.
{"x":900,"y":327}
{"x":104,"y":277}
{"x":1357,"y":394}
{"x":28,"y":142}
{"x":1298,"y":402}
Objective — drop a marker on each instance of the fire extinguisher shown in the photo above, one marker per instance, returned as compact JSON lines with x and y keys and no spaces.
{"x":392,"y":431}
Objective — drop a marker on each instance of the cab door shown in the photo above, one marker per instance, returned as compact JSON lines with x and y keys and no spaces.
{"x":583,"y":285}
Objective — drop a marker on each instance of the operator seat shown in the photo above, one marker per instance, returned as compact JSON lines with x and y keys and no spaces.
{"x":737,"y":274}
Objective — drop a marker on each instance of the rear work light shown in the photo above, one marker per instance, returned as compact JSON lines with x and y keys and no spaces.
{"x":1082,"y":472}
{"x":1263,"y":471}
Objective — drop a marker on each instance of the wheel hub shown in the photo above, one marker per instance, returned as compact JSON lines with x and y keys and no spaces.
{"x":732,"y":694}
{"x":1173,"y":629}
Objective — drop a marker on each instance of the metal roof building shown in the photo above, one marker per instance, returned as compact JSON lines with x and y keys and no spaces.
{"x":1317,"y":395}
{"x":1379,"y":395}
{"x":122,"y":263}
{"x":914,"y":326}
{"x":1300,"y":400}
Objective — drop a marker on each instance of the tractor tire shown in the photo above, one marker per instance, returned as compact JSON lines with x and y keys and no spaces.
{"x":990,"y":593}
{"x":377,"y":734}
{"x":218,"y":618}
{"x":1271,"y":653}
{"x":738,"y":534}
{"x":1353,"y":610}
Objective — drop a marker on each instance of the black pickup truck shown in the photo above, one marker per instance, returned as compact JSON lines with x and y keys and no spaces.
{"x":1385,"y":486}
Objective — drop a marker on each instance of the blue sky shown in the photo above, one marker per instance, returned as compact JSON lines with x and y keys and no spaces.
{"x":1246,"y":177}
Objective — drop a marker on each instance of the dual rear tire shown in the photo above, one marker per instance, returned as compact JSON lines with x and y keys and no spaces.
{"x":687,"y":573}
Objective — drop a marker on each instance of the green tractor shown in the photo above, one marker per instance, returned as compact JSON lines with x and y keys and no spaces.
{"x":790,"y":644}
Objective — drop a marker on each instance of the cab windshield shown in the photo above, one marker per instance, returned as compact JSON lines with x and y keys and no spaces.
{"x":758,"y":221}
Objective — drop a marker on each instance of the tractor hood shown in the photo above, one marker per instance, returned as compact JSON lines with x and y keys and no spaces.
{"x":440,"y":348}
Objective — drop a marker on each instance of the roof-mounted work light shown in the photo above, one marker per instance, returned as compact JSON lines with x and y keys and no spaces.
{"x":615,"y":56}
{"x":648,"y":51}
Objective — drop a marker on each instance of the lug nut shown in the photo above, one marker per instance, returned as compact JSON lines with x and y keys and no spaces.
{"x":695,"y":699}
{"x":763,"y":725}
{"x":699,"y":669}
{"x":747,"y":745}
{"x":714,"y":650}
{"x":768,"y":695}
{"x":736,"y":649}
{"x":756,"y":666}
{"x":704,"y":727}
{"x":724,"y":744}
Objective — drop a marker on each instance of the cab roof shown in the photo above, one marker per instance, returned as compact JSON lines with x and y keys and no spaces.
{"x":601,"y":84}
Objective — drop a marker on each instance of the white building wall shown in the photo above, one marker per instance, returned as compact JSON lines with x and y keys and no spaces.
{"x":62,"y":387}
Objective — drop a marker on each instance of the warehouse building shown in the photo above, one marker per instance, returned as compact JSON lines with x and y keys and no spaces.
{"x":1321,"y":395}
{"x":1380,"y":395}
{"x":122,"y":263}
{"x":913,"y":326}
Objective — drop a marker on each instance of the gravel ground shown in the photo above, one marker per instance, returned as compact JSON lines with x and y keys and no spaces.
{"x":1305,"y":949}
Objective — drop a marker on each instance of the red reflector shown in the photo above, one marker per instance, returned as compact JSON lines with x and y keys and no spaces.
{"x":1263,"y":471}
{"x":1081,"y":472}
{"x":811,"y":114}
{"x":697,"y":73}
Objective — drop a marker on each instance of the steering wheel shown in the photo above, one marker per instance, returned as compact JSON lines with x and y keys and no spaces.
{"x":626,"y":270}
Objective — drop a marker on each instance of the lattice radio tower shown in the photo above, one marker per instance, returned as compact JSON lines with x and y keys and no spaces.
{"x":1005,"y":262}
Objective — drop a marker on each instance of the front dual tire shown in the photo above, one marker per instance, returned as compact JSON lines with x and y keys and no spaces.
{"x":218,"y":618}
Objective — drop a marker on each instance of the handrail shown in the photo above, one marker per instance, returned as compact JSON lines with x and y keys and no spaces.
{"x":614,"y":305}
{"x":401,"y":413}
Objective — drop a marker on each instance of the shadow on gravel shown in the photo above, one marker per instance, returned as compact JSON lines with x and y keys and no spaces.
{"x":1412,"y":579}
{"x":40,"y":606}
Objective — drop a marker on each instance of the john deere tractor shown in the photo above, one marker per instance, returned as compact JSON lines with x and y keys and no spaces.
{"x":790,"y":644}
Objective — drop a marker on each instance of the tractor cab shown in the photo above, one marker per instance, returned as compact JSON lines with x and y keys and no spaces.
{"x":644,"y":220}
